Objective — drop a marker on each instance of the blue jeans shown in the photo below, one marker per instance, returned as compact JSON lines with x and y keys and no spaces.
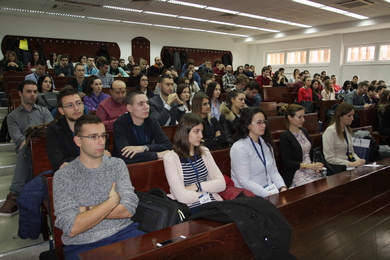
{"x":72,"y":251}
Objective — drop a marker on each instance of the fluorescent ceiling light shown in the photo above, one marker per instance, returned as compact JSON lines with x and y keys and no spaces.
{"x":300,"y":25}
{"x":103,"y":19}
{"x":268,"y":30}
{"x":248,"y":27}
{"x":357,"y":16}
{"x":221,"y":10}
{"x":310,"y":3}
{"x":252,"y":16}
{"x":192,"y":29}
{"x":66,"y":15}
{"x":335,"y":10}
{"x":166,"y":26}
{"x":218,"y":22}
{"x":217,"y":32}
{"x":193,"y":18}
{"x":149,"y":24}
{"x":239,"y":35}
{"x":122,"y":8}
{"x":187,"y":4}
{"x":277,"y":20}
{"x":22,"y":10}
{"x":161,"y":14}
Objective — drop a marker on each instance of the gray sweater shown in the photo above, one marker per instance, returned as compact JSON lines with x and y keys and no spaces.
{"x":75,"y":185}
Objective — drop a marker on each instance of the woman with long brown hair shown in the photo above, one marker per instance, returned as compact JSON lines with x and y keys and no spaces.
{"x":192,"y":174}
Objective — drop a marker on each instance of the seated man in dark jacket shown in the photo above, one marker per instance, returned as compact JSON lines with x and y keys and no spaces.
{"x":138,"y":137}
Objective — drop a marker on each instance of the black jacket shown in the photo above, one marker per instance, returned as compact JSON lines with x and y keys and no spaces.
{"x":210,"y":141}
{"x":125,"y":135}
{"x":291,"y":152}
{"x":60,"y":146}
{"x":263,"y":227}
{"x":229,"y":123}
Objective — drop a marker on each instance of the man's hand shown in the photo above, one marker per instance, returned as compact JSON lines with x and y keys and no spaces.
{"x":64,"y":164}
{"x":218,"y":133}
{"x":114,"y":195}
{"x":107,"y":153}
{"x":130,"y":151}
{"x":368,"y":106}
{"x":61,"y":75}
{"x":22,"y":144}
{"x":119,"y":75}
{"x":173,"y":98}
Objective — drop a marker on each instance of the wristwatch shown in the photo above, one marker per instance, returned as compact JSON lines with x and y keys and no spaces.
{"x":145,"y":147}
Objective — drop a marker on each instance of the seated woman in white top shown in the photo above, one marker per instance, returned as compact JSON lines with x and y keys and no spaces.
{"x":253,"y":165}
{"x":328,"y":92}
{"x":337,"y":141}
{"x":192,"y":174}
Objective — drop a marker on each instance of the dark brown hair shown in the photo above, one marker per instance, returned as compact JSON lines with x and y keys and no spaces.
{"x":181,"y":143}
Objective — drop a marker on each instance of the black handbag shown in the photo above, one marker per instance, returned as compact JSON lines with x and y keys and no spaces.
{"x":318,"y":156}
{"x":309,"y":106}
{"x":48,"y":100}
{"x":156,"y":211}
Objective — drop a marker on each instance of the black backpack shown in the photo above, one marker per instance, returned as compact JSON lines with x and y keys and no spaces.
{"x":263,"y":227}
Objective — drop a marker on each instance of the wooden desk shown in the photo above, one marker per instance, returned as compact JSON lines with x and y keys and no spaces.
{"x":343,"y":216}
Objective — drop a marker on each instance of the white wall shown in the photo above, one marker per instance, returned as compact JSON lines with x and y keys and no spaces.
{"x":337,"y":65}
{"x":122,"y":34}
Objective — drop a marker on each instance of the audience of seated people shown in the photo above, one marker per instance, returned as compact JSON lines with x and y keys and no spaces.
{"x":122,"y":65}
{"x":137,"y":129}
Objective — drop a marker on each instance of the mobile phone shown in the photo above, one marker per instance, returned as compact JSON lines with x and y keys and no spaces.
{"x":170,"y":241}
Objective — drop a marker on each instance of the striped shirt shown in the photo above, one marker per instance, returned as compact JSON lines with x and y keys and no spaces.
{"x":190,"y":176}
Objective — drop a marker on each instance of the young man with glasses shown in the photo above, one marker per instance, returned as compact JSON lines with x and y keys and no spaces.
{"x":65,"y":68}
{"x":60,"y":147}
{"x":94,"y":199}
{"x":111,"y":108}
{"x":138,"y":137}
{"x":19,"y":120}
{"x":79,"y":82}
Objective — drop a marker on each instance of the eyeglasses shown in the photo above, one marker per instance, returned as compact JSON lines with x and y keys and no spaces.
{"x":260,"y":122}
{"x":79,"y":70}
{"x":95,"y":137}
{"x":72,"y":105}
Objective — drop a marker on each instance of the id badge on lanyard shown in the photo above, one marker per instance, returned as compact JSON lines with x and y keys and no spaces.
{"x":205,"y":197}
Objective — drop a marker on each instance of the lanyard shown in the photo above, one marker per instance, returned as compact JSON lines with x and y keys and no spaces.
{"x":262,"y":159}
{"x":196,"y":172}
{"x":346,"y":140}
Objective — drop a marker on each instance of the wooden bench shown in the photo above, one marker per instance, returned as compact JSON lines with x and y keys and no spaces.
{"x":269,"y":108}
{"x":276,"y":94}
{"x":277,"y":124}
{"x":343,"y":216}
